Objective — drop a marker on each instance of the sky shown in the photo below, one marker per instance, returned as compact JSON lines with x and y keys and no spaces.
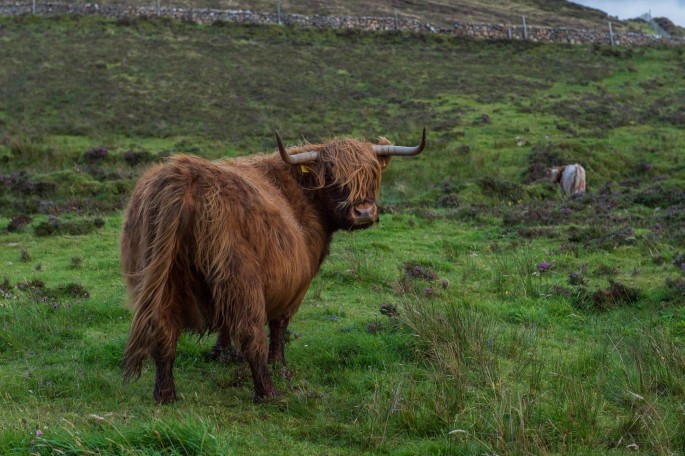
{"x":629,"y":9}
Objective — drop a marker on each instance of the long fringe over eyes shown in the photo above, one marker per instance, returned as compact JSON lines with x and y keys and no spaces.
{"x":350,"y":164}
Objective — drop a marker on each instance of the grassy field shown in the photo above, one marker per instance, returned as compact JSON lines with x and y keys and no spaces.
{"x":481,"y":316}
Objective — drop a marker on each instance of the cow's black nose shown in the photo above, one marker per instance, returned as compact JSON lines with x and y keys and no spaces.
{"x":365,"y":212}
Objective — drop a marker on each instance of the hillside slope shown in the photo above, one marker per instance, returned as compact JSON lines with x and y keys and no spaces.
{"x":103,"y":80}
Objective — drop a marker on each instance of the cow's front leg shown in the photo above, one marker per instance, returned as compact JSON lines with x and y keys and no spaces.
{"x":224,"y":350}
{"x":277,"y":329}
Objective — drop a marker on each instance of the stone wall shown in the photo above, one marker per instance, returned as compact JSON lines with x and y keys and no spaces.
{"x":476,"y":31}
{"x":556,"y":35}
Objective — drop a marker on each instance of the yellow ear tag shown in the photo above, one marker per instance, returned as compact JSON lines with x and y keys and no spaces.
{"x":304,"y":169}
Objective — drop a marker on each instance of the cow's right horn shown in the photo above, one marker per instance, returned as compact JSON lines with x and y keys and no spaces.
{"x":401,"y":150}
{"x":295,"y":159}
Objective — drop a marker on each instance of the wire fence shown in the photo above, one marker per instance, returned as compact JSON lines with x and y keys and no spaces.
{"x":656,"y":27}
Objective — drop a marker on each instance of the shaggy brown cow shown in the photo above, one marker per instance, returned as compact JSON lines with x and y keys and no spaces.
{"x":230,"y":246}
{"x":571,"y":179}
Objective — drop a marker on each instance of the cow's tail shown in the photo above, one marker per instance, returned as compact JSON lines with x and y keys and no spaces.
{"x":154,"y":329}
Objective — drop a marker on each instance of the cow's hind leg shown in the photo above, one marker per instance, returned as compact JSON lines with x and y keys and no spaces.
{"x":244,"y":317}
{"x":164,"y":356}
{"x":277,"y":329}
{"x":255,"y":348}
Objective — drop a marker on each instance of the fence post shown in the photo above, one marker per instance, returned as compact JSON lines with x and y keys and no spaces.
{"x":397,"y":26}
{"x":33,"y":7}
{"x":278,"y":12}
{"x":509,"y":32}
{"x":159,"y":8}
{"x":611,"y":35}
{"x":525,"y":29}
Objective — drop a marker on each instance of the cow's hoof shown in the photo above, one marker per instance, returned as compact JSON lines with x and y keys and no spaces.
{"x":165,"y":396}
{"x":266,"y":397}
{"x":225,"y":355}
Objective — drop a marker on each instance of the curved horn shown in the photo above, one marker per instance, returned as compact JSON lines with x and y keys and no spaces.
{"x":401,"y":150}
{"x":297,"y":159}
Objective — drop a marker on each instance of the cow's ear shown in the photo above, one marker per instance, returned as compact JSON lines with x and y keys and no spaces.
{"x":384,"y":159}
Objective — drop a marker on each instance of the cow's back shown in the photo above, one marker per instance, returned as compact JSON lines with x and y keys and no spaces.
{"x":237,"y":225}
{"x":573,"y":180}
{"x":255,"y":229}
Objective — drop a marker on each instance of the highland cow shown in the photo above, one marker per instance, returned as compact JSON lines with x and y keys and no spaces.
{"x":571,"y":179}
{"x":233,"y":245}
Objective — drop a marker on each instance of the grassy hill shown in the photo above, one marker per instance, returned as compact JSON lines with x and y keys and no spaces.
{"x":483,"y":315}
{"x":108,"y":83}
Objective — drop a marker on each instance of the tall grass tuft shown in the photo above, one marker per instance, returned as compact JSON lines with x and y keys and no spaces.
{"x":449,"y":336}
{"x":31,"y":152}
{"x":103,"y":437}
{"x":652,"y":362}
{"x":653,"y":369}
{"x":510,"y":397}
{"x":515,"y":274}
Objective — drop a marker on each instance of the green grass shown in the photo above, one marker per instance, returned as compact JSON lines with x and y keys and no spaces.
{"x":516,"y":371}
{"x":435,"y":332}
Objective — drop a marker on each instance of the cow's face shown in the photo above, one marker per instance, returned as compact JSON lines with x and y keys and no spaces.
{"x":352,"y":201}
{"x":552,"y":174}
{"x":345,"y":176}
{"x":349,"y":177}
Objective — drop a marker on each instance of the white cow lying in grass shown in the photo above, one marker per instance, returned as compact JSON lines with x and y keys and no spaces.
{"x":571,"y":179}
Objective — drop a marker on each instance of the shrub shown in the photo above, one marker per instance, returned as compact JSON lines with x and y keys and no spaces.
{"x":54,"y":226}
{"x":6,"y":287}
{"x":133,"y":158}
{"x":616,"y":295}
{"x":96,"y":154}
{"x":415,"y":277}
{"x":25,"y":256}
{"x":675,"y":287}
{"x":73,"y":290}
{"x":19,"y":223}
{"x":76,"y":262}
{"x":500,"y":188}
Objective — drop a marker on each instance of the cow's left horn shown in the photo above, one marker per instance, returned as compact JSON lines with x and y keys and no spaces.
{"x":401,"y":150}
{"x":296,"y":159}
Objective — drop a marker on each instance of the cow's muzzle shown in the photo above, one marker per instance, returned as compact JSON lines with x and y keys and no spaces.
{"x":363,"y":215}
